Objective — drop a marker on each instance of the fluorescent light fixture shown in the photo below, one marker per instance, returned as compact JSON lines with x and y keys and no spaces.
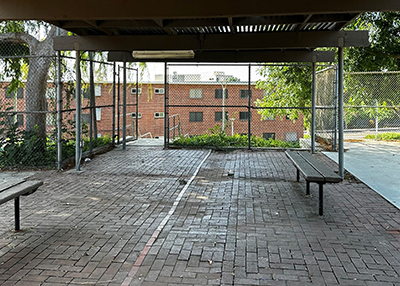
{"x":179,"y":54}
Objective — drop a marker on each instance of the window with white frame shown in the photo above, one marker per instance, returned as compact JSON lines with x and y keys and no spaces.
{"x":158,"y":114}
{"x":291,"y":136}
{"x":196,"y":93}
{"x":98,"y":114}
{"x":158,"y":91}
{"x":133,"y":90}
{"x":51,"y":92}
{"x":134,"y":115}
{"x":97,"y":90}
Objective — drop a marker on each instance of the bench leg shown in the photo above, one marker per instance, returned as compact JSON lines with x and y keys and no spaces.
{"x":298,"y":175}
{"x":16,"y":212}
{"x":321,"y":199}
{"x":307,"y":188}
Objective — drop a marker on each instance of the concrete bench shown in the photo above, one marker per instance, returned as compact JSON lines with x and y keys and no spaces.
{"x":313,"y":171}
{"x":13,"y":189}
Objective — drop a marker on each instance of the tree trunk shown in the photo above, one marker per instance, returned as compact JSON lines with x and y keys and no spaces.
{"x":35,"y":93}
{"x":36,"y":102}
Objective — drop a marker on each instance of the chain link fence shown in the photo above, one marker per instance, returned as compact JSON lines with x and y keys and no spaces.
{"x":29,"y":103}
{"x":206,"y":99}
{"x":371,"y":104}
{"x":326,"y":124}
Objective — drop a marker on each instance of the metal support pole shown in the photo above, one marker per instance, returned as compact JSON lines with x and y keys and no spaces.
{"x":124,"y":110}
{"x":16,"y":214}
{"x":93,"y":119}
{"x":340,"y":114}
{"x":137,"y":104}
{"x":249,"y":109}
{"x":118,"y":103}
{"x":335,"y":116}
{"x":59,"y":109}
{"x":321,"y":199}
{"x":314,"y":70}
{"x":166,"y":103}
{"x":78,"y":111}
{"x":113,"y":108}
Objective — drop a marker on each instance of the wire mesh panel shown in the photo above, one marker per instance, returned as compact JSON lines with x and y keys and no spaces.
{"x":132,"y":116}
{"x":326,"y":105}
{"x":228,"y":100}
{"x":27,"y":112}
{"x":207,"y":99}
{"x":371,"y":104}
{"x":29,"y":105}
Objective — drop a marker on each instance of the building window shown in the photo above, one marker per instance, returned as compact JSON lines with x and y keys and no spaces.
{"x":134,"y":115}
{"x":196,"y":116}
{"x":11,"y":120}
{"x":51,"y":92}
{"x":11,"y":94}
{"x":218,"y":116}
{"x":268,"y":118}
{"x":244,"y":93}
{"x":267,"y":136}
{"x":50,"y":119}
{"x":158,"y":91}
{"x":159,"y":115}
{"x":97,"y":90}
{"x":218,"y":93}
{"x":98,"y":114}
{"x":86,"y":92}
{"x":244,"y":116}
{"x":133,"y":90}
{"x":291,"y":136}
{"x":196,"y":93}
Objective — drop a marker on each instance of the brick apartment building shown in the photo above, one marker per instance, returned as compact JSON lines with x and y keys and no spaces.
{"x":196,"y":104}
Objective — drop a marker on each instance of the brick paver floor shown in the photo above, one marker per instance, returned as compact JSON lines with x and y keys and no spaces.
{"x":131,"y":218}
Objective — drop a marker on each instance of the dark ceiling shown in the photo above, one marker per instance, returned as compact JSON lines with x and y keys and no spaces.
{"x":209,"y":26}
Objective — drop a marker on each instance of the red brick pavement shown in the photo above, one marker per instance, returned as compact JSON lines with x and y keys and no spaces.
{"x":256,"y":227}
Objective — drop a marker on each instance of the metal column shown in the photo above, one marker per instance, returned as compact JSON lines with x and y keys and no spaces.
{"x":78,"y":111}
{"x":124,"y":110}
{"x":113,"y":109}
{"x":314,"y":65}
{"x":166,"y":103}
{"x":137,"y":105}
{"x":249,"y":110}
{"x":340,"y":113}
{"x":59,"y":109}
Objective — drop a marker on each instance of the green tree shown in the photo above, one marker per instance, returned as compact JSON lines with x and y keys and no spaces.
{"x":291,"y":85}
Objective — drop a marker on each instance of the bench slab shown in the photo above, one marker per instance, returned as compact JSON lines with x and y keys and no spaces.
{"x":13,"y":189}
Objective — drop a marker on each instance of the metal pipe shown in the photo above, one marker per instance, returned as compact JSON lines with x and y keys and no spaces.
{"x":118,"y":100}
{"x":113,"y":105}
{"x":16,"y":214}
{"x":314,"y":66}
{"x":124,"y":110}
{"x":166,"y":102}
{"x":137,"y":105}
{"x":59,"y":109}
{"x":249,"y":109}
{"x":335,"y":135}
{"x":78,"y":122}
{"x":340,"y":113}
{"x":91,"y":82}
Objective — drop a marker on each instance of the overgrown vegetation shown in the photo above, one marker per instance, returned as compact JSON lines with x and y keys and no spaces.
{"x":26,"y":149}
{"x":384,"y":136}
{"x":217,"y":138}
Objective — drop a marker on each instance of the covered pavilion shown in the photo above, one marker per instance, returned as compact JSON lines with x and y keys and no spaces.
{"x":216,"y":31}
